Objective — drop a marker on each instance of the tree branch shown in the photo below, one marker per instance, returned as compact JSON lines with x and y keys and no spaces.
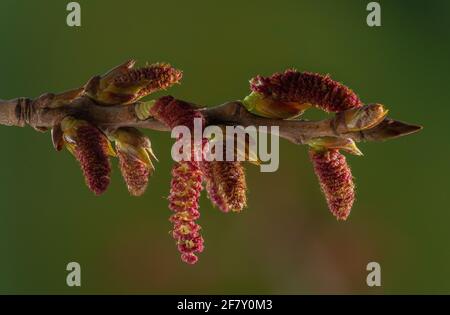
{"x":46,"y":111}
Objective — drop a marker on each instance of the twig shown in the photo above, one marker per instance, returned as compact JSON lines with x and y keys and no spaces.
{"x":41,"y":114}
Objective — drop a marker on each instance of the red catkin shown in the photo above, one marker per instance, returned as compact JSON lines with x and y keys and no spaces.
{"x":174,"y":112}
{"x":185,"y":189}
{"x":91,"y":152}
{"x":336,"y":181}
{"x":306,"y":87}
{"x":235,"y":185}
{"x":213,"y":187}
{"x":159,"y":75}
{"x":186,"y":184}
{"x":230,"y":179}
{"x":134,"y":172}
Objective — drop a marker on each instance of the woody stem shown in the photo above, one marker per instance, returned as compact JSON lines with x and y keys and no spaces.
{"x":40,"y":114}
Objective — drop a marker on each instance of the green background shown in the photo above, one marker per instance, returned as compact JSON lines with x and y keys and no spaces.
{"x":286,"y":241}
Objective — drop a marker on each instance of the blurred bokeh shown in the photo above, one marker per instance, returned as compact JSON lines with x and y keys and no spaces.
{"x":286,"y":242}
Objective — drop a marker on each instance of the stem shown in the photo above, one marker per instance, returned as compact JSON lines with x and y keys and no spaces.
{"x":41,"y":113}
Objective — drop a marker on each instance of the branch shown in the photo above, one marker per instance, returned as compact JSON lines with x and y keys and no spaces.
{"x":46,"y":111}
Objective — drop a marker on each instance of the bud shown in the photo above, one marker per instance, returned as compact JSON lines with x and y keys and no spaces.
{"x":306,"y":88}
{"x":269,"y":107}
{"x":91,"y":148}
{"x":125,"y":85}
{"x":326,"y":143}
{"x":363,"y":118}
{"x":142,"y":109}
{"x":336,"y":181}
{"x":134,"y":152}
{"x":390,"y":129}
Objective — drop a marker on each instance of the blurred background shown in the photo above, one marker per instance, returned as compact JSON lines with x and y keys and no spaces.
{"x":286,"y":241}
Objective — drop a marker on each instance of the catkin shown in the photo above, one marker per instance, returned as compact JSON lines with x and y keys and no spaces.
{"x":91,"y":151}
{"x":186,"y":184}
{"x":336,"y":181}
{"x":134,"y":172}
{"x":306,"y":87}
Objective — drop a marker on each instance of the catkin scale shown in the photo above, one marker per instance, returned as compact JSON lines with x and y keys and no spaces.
{"x":91,"y":152}
{"x":306,"y":87}
{"x":336,"y":181}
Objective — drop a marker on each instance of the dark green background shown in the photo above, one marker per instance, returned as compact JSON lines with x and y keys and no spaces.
{"x":286,"y":241}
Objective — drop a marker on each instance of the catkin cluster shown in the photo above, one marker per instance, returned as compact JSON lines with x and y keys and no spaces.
{"x":284,"y":95}
{"x":225,"y":181}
